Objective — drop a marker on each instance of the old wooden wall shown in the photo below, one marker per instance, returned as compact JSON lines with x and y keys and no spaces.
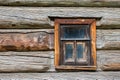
{"x":27,"y":37}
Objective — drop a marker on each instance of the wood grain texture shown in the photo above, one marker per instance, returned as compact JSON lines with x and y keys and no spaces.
{"x":111,"y":67}
{"x":93,"y":43}
{"x":24,"y":61}
{"x":106,"y":39}
{"x":62,"y":76}
{"x":25,"y":41}
{"x":106,"y":60}
{"x":57,"y":45}
{"x":44,"y":61}
{"x":62,"y":3}
{"x":32,"y":17}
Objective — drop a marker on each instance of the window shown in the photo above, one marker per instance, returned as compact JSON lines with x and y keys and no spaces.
{"x":75,"y":47}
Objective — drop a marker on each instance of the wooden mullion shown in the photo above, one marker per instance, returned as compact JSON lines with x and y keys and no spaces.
{"x":75,"y":53}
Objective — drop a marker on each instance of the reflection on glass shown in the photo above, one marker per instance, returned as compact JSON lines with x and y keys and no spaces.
{"x":68,"y":51}
{"x":80,"y":50}
{"x":75,"y":31}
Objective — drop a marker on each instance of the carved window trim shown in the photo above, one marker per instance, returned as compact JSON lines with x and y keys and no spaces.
{"x":92,"y":24}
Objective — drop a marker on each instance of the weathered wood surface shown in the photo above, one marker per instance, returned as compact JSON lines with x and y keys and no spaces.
{"x":32,"y":17}
{"x":62,"y":76}
{"x":44,"y":61}
{"x":111,"y":67}
{"x":35,"y":40}
{"x":104,"y":57}
{"x":25,"y":41}
{"x":24,"y":61}
{"x":108,"y":60}
{"x":62,"y":3}
{"x":108,"y":39}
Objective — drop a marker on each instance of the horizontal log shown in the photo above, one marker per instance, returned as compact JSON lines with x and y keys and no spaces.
{"x":32,"y":17}
{"x":44,"y":61}
{"x":108,"y":39}
{"x":104,"y":58}
{"x":62,"y":76}
{"x":35,"y":40}
{"x":24,"y":61}
{"x":108,"y":60}
{"x":111,"y":67}
{"x":25,"y":41}
{"x":62,"y":3}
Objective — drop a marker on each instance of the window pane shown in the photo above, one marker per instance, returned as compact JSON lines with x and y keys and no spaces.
{"x":68,"y":51}
{"x":75,"y":31}
{"x":82,"y":49}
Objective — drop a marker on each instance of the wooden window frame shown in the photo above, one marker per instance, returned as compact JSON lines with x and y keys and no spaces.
{"x":92,"y":23}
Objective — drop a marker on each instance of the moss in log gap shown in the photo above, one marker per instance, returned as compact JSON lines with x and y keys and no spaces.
{"x":62,"y":4}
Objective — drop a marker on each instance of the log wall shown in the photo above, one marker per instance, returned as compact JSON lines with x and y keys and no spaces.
{"x":43,"y":39}
{"x":27,"y":38}
{"x":32,"y":17}
{"x":61,"y":3}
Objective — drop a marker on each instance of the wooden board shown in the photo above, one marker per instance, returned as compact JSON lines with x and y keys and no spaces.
{"x":44,"y":61}
{"x":62,"y":3}
{"x":24,"y":61}
{"x":62,"y":76}
{"x":111,"y":67}
{"x":107,"y":60}
{"x":31,"y":41}
{"x":106,"y":39}
{"x":32,"y":17}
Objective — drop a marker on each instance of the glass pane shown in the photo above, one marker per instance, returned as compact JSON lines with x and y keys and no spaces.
{"x":82,"y":49}
{"x":68,"y":51}
{"x":75,"y":31}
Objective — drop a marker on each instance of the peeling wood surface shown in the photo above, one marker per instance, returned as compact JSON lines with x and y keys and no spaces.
{"x":25,"y":41}
{"x":62,"y":76}
{"x":32,"y":17}
{"x":111,"y":67}
{"x":24,"y":61}
{"x":35,"y":40}
{"x":62,"y":3}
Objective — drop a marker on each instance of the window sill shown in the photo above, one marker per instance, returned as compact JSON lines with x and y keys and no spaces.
{"x":84,"y":68}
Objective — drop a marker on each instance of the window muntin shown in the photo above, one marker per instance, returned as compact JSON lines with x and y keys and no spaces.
{"x":75,"y":52}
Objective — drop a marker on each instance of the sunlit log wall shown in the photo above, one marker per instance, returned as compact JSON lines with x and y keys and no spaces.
{"x":27,"y":33}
